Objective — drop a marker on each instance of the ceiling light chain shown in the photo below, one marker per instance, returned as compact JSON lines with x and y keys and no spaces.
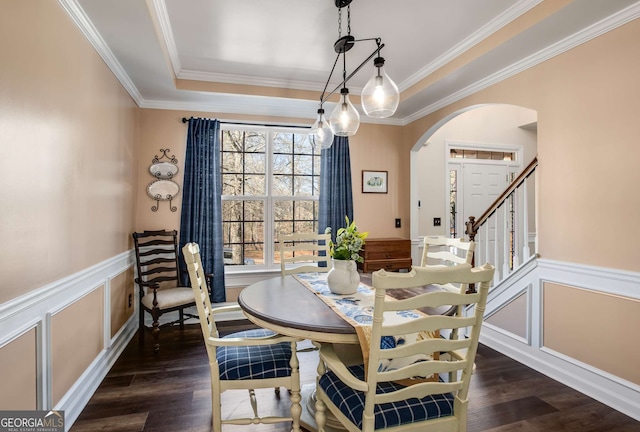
{"x":380,"y":96}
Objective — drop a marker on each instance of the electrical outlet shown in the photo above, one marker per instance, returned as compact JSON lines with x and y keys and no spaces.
{"x":130,"y":300}
{"x":398,"y":223}
{"x":436,"y":221}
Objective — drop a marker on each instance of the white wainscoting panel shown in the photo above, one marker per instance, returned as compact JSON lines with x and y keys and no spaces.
{"x":34,"y":310}
{"x":609,"y":389}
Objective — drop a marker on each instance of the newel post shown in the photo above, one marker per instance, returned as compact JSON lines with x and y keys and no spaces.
{"x":471,"y":231}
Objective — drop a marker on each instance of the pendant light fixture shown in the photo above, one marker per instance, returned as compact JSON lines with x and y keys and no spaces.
{"x":321,"y":134}
{"x":380,"y":96}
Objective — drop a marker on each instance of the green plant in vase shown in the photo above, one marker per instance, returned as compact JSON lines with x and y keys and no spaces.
{"x":343,"y":278}
{"x":349,"y":242}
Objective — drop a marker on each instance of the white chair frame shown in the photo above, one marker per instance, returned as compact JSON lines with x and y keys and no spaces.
{"x":292,"y":247}
{"x":457,"y":364}
{"x":191,"y":252}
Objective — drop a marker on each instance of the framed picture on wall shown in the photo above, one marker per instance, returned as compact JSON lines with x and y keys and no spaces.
{"x":374,"y":181}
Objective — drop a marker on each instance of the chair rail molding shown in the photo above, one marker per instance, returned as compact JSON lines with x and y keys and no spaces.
{"x":35,"y":309}
{"x":601,"y":385}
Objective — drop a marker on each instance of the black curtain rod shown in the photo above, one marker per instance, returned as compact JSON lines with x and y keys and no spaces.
{"x":185,"y":120}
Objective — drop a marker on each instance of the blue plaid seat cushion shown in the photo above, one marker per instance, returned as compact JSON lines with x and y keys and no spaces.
{"x":351,"y":402}
{"x":254,"y":362}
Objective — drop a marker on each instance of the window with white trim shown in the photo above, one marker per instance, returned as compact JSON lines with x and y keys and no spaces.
{"x":270,"y":186}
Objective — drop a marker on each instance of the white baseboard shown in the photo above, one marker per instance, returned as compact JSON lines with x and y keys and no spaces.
{"x":607,"y":388}
{"x":621,"y":395}
{"x":34,"y":311}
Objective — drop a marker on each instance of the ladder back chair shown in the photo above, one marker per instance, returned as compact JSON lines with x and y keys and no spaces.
{"x":160,"y":290}
{"x":305,"y":251}
{"x":447,"y":251}
{"x":427,"y":387}
{"x":247,"y":360}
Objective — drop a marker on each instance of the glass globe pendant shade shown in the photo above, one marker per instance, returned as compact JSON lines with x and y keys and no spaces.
{"x":380,"y":96}
{"x":344,"y":119}
{"x":321,"y":135}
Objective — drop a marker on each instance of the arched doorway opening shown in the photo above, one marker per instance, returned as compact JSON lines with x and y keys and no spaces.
{"x":439,"y":169}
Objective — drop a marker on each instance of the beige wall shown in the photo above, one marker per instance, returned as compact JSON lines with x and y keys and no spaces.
{"x":582,"y":325}
{"x":587,"y":101}
{"x":512,"y":317}
{"x":77,"y":337}
{"x":123,"y":300}
{"x":18,"y":373}
{"x":67,"y":133}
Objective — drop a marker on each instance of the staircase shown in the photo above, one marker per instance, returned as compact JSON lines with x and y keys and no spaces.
{"x":505,"y":234}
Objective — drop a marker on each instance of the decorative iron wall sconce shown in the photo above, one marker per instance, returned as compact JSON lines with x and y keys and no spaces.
{"x":164,"y":188}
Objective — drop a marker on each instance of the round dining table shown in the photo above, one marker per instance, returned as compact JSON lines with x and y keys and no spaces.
{"x":285,"y":305}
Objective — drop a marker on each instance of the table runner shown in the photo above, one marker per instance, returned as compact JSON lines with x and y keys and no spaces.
{"x":357,"y":309}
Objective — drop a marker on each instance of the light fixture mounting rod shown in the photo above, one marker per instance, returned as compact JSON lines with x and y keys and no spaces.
{"x":324,"y":97}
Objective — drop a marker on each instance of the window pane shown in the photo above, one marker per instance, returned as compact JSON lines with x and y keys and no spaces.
{"x":283,"y":211}
{"x":282,"y":164}
{"x":306,"y":210}
{"x":231,"y":211}
{"x":253,"y":210}
{"x":282,"y":185}
{"x":232,"y":232}
{"x":232,"y":141}
{"x":283,"y":143}
{"x":243,"y":226}
{"x":285,"y":228}
{"x":254,"y":185}
{"x":302,"y":145}
{"x":303,"y":186}
{"x":253,"y":254}
{"x":304,"y":227}
{"x":231,"y":184}
{"x":303,"y":165}
{"x":255,"y":142}
{"x":231,"y":162}
{"x":254,"y":232}
{"x":254,"y":163}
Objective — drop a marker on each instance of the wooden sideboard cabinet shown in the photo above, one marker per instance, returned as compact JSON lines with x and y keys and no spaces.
{"x":385,"y":253}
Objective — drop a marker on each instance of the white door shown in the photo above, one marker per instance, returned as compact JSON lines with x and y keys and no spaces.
{"x":482,"y":184}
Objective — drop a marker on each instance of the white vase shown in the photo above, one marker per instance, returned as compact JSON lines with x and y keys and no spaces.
{"x":343,"y":278}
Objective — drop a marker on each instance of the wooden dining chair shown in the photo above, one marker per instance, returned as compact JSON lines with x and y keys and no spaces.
{"x":448,"y":251}
{"x":247,"y":360}
{"x":428,"y":394}
{"x":160,"y":289}
{"x":303,"y":253}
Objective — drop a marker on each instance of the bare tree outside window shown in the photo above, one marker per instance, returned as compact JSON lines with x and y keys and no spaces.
{"x":271,"y":181}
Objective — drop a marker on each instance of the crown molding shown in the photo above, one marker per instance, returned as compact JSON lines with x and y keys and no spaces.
{"x":603,"y":26}
{"x":81,"y":20}
{"x":158,"y":9}
{"x":249,"y":80}
{"x":493,"y":26}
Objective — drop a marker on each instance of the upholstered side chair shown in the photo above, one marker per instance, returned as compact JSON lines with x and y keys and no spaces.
{"x":157,"y":277}
{"x":247,"y":360}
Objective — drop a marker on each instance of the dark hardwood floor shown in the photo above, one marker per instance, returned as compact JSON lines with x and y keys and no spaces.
{"x":171,"y":392}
